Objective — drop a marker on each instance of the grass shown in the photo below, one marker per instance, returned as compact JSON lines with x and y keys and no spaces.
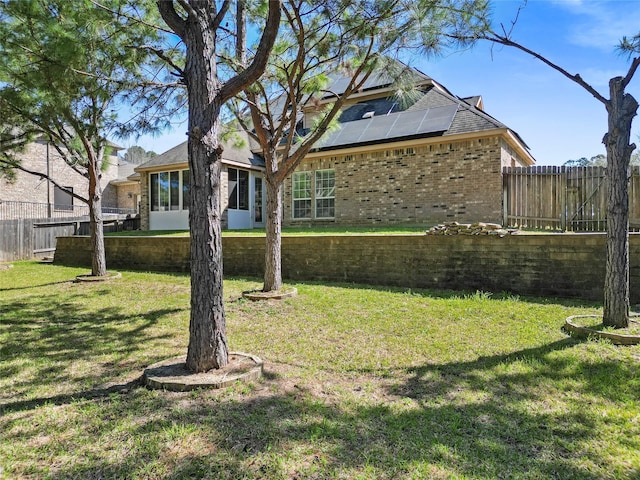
{"x":360,"y":383}
{"x":312,"y":230}
{"x":292,"y":231}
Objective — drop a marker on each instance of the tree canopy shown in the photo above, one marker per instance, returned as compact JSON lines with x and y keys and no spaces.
{"x":66,"y":71}
{"x":137,"y":155}
{"x":354,"y":40}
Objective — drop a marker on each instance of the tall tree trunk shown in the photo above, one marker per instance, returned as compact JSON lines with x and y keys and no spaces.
{"x":621,"y":109}
{"x":272,"y":257}
{"x":96,"y":231}
{"x":207,"y":328}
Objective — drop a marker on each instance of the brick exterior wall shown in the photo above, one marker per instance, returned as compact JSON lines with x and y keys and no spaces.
{"x":545,"y":265}
{"x":417,"y":185}
{"x":426,"y":184}
{"x":30,"y":188}
{"x":144,"y":200}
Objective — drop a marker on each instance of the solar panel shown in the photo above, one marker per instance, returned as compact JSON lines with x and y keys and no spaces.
{"x":392,"y":126}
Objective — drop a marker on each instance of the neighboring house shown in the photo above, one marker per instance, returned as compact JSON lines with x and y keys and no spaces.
{"x":124,"y":190}
{"x":165,"y":193}
{"x":41,"y":198}
{"x":438,"y":158}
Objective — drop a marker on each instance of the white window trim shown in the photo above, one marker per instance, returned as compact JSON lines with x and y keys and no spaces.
{"x":293,"y":194}
{"x":181,"y":205}
{"x":238,"y":170}
{"x":316,"y":197}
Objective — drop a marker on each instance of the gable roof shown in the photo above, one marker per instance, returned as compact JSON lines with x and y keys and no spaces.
{"x":378,"y":119}
{"x":234,"y":153}
{"x":435,"y":113}
{"x":378,"y":79}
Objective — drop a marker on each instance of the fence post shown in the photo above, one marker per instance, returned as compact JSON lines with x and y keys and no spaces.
{"x":505,"y":196}
{"x":563,"y":199}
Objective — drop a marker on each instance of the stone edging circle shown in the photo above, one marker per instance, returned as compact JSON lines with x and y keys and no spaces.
{"x":586,"y":332}
{"x":93,"y":278}
{"x":284,"y":292}
{"x":172,"y":375}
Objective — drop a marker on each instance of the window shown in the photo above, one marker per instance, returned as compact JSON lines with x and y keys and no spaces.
{"x":257,"y":199}
{"x":63,"y":198}
{"x":186,"y":190}
{"x":238,"y":186}
{"x":169,"y":191}
{"x":174,"y":190}
{"x":325,"y":193}
{"x":302,"y":195}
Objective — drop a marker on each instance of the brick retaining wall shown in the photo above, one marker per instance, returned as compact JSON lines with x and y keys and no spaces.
{"x":562,"y":265}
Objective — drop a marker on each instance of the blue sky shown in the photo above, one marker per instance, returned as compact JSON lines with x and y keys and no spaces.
{"x":558,"y":119}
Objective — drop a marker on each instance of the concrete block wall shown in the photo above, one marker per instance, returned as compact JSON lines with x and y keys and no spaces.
{"x":557,"y":265}
{"x":161,"y":254}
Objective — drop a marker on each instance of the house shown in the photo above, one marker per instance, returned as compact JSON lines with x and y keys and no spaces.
{"x":123,"y":192}
{"x":435,"y":158}
{"x":28,"y":195}
{"x":165,"y":192}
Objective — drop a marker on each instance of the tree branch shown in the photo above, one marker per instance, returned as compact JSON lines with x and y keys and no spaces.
{"x":162,"y":56}
{"x":217,"y":21}
{"x":632,"y":70}
{"x":253,"y":72}
{"x":504,"y":40}
{"x":43,"y":176}
{"x":131,"y":17}
{"x":171,"y":17}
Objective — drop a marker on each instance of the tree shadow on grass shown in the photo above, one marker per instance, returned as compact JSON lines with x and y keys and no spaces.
{"x":454,"y":294}
{"x":480,"y":419}
{"x":49,"y":343}
{"x":65,"y":399}
{"x":29,"y":287}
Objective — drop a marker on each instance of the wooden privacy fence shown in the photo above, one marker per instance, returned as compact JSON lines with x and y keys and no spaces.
{"x":24,"y":238}
{"x":32,"y":237}
{"x":562,"y":198}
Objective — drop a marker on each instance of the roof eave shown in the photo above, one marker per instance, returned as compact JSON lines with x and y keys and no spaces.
{"x":185,"y":165}
{"x":163,"y":168}
{"x":507,"y":134}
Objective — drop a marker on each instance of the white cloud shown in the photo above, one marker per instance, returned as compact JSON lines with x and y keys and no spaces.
{"x":601,"y":24}
{"x":600,"y":77}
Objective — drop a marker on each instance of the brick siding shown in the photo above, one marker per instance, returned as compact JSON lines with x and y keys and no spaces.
{"x":561,"y":265}
{"x":30,"y":188}
{"x":425,"y":184}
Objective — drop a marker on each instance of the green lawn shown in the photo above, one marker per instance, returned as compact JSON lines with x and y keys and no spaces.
{"x":360,"y":383}
{"x":291,"y":231}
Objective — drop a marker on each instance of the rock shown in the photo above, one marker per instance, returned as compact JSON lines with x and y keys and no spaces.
{"x":478,"y":228}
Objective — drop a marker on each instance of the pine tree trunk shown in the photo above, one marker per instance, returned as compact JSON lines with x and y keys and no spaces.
{"x":621,"y":110}
{"x":207,"y":328}
{"x":272,"y":257}
{"x":96,"y":231}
